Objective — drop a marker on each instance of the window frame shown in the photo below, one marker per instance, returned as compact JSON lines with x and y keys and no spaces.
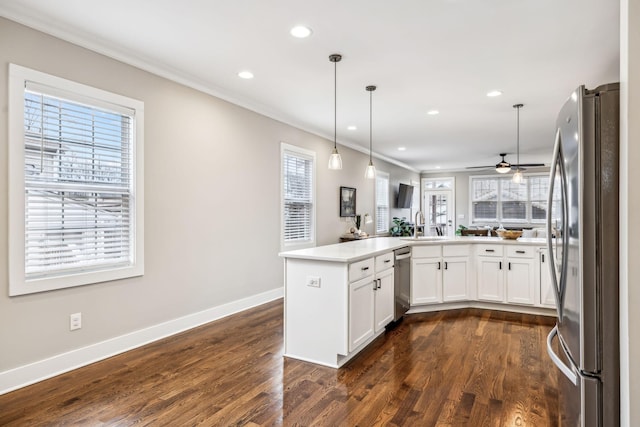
{"x":387,"y":204}
{"x":528,"y":221}
{"x":310,"y":155}
{"x":19,"y":284}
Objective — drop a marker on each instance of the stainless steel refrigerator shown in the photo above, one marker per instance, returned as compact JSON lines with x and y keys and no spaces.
{"x":583,"y":217}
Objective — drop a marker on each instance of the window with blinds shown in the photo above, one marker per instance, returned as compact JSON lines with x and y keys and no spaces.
{"x":78,"y":183}
{"x":298,"y":209}
{"x":382,"y":202}
{"x":497,"y":200}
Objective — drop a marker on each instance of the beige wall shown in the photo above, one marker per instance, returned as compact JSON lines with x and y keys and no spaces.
{"x":629,"y":209}
{"x":206,"y":242}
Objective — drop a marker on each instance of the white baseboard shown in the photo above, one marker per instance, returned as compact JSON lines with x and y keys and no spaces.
{"x":37,"y":371}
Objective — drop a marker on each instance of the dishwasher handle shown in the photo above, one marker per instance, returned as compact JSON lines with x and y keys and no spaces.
{"x":403,"y":256}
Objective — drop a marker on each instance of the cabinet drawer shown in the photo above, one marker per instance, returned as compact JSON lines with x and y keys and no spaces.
{"x":490,"y":250}
{"x":520,"y":251}
{"x":426,"y":251}
{"x":360,"y":269}
{"x":384,"y":262}
{"x":456,"y":250}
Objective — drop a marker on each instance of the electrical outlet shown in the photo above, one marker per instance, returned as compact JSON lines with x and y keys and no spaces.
{"x":313,"y":281}
{"x":75,"y":321}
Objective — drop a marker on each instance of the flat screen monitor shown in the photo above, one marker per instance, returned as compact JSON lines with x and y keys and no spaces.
{"x":405,"y":196}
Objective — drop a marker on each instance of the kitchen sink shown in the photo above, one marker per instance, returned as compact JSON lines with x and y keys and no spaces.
{"x":426,"y":238}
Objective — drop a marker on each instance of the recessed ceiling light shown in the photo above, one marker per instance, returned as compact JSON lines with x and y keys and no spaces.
{"x":300,"y":31}
{"x":437,"y":167}
{"x":352,"y":127}
{"x":494,"y":93}
{"x":402,"y":148}
{"x":245,"y":74}
{"x":433,"y":112}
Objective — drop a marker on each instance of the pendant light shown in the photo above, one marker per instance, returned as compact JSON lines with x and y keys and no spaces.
{"x":517,"y":176}
{"x":335,"y":161}
{"x":370,"y":172}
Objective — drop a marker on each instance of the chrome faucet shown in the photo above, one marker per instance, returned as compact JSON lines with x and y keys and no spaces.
{"x":419,"y":218}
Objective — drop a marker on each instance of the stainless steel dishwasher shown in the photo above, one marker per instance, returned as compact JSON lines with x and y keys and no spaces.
{"x":402,"y":281}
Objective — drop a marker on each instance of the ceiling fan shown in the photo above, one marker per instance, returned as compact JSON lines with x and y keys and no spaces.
{"x":503,"y":166}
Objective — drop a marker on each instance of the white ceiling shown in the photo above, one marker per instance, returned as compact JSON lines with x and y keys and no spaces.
{"x":422,"y":55}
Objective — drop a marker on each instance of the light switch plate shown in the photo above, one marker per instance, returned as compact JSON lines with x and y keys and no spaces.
{"x":313,"y":281}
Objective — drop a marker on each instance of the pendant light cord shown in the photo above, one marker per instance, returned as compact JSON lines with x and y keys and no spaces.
{"x":335,"y":105}
{"x":370,"y":124}
{"x":518,"y":134}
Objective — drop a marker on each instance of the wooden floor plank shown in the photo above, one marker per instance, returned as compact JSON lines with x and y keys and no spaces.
{"x":464,"y":367}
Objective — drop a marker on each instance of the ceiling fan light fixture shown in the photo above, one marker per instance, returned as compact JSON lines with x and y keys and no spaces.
{"x":335,"y":161}
{"x":503,"y":167}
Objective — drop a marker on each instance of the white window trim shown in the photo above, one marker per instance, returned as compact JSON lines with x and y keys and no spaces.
{"x":284,"y":147}
{"x":375,"y":193}
{"x":527,"y":223}
{"x":18,"y":284}
{"x":425,"y":190}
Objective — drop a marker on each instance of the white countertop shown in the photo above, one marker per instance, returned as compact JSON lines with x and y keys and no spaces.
{"x":359,"y":249}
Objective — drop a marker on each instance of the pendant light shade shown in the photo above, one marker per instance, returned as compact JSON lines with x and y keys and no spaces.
{"x":517,"y":176}
{"x":370,"y":172}
{"x":335,"y":161}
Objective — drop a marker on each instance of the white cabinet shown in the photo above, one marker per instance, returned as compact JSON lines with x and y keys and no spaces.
{"x":521,"y":283}
{"x":439,"y":273}
{"x":455,"y":278}
{"x":361,"y":306}
{"x":490,"y":273}
{"x":547,"y":298}
{"x":370,"y":298}
{"x":383,"y":294}
{"x":426,"y":277}
{"x":506,"y":273}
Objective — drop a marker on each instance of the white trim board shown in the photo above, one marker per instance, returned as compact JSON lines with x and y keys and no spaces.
{"x":31,"y":373}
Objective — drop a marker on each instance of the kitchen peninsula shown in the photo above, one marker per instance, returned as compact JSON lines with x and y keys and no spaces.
{"x":339,"y":298}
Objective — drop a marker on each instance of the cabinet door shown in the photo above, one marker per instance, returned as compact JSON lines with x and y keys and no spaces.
{"x":520,"y":281}
{"x":361,"y":301}
{"x":547,"y":297}
{"x":383,"y":312}
{"x":455,"y":278}
{"x":426,"y":280}
{"x":490,"y":279}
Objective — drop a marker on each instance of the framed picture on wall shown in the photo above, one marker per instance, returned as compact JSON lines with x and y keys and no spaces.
{"x":347,"y":201}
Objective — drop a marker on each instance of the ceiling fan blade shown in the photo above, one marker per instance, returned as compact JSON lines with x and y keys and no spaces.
{"x":531,"y":165}
{"x":481,"y":167}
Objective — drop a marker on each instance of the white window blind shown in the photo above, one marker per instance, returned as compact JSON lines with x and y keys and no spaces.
{"x":74,"y":195}
{"x":298,"y":194}
{"x":77,"y":185}
{"x":496,"y":200}
{"x":382,"y":202}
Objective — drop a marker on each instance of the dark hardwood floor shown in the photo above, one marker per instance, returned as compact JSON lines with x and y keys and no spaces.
{"x":464,"y":367}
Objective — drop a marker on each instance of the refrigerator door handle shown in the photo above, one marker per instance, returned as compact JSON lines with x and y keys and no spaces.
{"x":556,"y":282}
{"x":567,"y":371}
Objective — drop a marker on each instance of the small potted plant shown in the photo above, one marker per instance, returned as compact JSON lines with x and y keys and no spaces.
{"x":400,"y":227}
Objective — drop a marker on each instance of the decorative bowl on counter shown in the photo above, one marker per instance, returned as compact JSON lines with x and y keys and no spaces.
{"x":509,"y":234}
